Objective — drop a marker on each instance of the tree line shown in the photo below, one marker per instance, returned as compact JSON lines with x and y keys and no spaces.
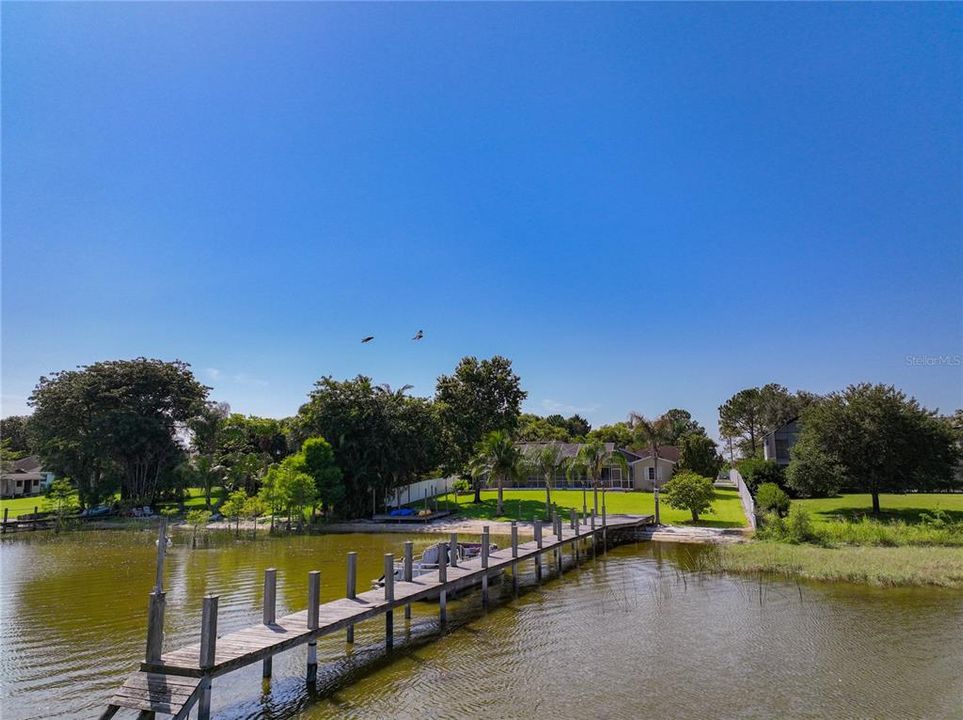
{"x":870,"y":438}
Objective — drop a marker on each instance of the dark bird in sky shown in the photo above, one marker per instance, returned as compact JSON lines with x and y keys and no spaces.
{"x":418,"y":335}
{"x":367,"y":339}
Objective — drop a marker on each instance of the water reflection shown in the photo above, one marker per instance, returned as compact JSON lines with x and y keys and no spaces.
{"x":640,"y":630}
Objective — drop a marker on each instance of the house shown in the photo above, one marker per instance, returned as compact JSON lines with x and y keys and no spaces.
{"x":777,"y":444}
{"x":643,"y":473}
{"x":24,"y":477}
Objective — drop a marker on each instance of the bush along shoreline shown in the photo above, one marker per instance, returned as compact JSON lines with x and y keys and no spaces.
{"x":869,"y":551}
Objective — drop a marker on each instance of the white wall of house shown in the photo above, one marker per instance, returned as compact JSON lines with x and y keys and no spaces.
{"x":642,"y":475}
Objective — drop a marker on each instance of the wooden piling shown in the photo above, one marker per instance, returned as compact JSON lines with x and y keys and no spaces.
{"x":515,"y":556}
{"x":389,"y":598}
{"x":573,"y":519}
{"x":538,"y":555}
{"x":6,"y":514}
{"x":155,"y":625}
{"x":485,"y":549}
{"x":208,"y":651}
{"x":351,"y":591}
{"x":269,"y":612}
{"x":314,"y":602}
{"x":442,"y":578}
{"x":408,"y":571}
{"x":453,"y":549}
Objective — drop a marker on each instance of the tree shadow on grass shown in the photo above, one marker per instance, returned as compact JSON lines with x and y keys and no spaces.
{"x":911,"y":516}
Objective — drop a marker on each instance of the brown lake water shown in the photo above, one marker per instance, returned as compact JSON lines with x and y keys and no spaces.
{"x":635,"y":633}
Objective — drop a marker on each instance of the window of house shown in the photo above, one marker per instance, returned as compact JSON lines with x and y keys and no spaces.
{"x":651,"y":473}
{"x":616,"y":474}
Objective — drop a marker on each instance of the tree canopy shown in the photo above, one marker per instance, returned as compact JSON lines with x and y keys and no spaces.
{"x":478,"y":397}
{"x":872,"y":438}
{"x":381,"y":437}
{"x":752,"y":413}
{"x":115,"y":420}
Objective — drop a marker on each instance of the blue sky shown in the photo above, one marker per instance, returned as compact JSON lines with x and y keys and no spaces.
{"x":643,"y":206}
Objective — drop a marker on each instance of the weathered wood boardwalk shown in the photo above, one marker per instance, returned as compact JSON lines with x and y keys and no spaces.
{"x":171,"y":683}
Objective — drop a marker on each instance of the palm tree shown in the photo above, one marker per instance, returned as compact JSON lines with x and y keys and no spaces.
{"x":547,"y":461}
{"x":593,"y":457}
{"x":653,"y":433}
{"x":497,"y":456}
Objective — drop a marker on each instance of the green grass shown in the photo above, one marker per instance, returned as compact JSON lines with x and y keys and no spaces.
{"x":907,"y":508}
{"x":883,"y":566}
{"x":530,"y":504}
{"x":22,"y":505}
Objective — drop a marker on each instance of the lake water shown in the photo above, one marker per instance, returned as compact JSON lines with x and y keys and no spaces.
{"x":635,"y":633}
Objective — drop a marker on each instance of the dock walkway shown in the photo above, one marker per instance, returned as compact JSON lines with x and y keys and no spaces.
{"x":171,"y":683}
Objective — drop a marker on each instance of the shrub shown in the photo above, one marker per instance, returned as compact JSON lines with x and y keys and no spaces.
{"x":461,"y":486}
{"x":770,"y":498}
{"x":688,"y":491}
{"x":799,"y":526}
{"x":756,"y":471}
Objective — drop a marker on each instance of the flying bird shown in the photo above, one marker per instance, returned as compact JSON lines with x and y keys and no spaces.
{"x":418,"y":335}
{"x":367,"y":339}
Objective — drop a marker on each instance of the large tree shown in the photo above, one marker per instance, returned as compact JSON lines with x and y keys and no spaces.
{"x":478,"y":397}
{"x":698,"y":453}
{"x":534,"y":427}
{"x":751,"y":413}
{"x":13,"y":432}
{"x":119,"y":415}
{"x":678,"y":423}
{"x":382,"y":438}
{"x":873,"y":438}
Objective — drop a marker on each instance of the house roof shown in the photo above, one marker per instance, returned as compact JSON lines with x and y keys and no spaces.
{"x":666,"y":452}
{"x":569,"y":450}
{"x":788,"y":422}
{"x":29,"y":464}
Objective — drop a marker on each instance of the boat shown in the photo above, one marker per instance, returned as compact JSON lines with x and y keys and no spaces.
{"x":429,"y":561}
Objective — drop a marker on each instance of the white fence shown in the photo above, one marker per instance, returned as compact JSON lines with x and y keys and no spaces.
{"x":418,"y":491}
{"x":748,"y":504}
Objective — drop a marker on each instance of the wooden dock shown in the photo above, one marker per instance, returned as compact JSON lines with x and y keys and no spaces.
{"x":172,"y":683}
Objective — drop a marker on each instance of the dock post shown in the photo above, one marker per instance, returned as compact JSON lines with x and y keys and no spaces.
{"x":268,"y":614}
{"x":442,"y":579}
{"x":605,"y":532}
{"x":314,"y":600}
{"x":208,"y":651}
{"x":573,"y":519}
{"x":36,"y":511}
{"x":389,"y":598}
{"x":409,"y":571}
{"x":594,"y":536}
{"x":515,"y":557}
{"x":485,"y":549}
{"x":352,"y":588}
{"x":155,"y":625}
{"x":538,"y":555}
{"x":453,"y":549}
{"x":6,"y":513}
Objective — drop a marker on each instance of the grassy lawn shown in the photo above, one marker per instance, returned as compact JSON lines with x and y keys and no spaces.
{"x":22,"y":505}
{"x":891,"y":566}
{"x":530,"y":504}
{"x":893,"y":507}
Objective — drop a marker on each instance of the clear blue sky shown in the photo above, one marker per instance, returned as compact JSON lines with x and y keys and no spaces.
{"x":643,"y":206}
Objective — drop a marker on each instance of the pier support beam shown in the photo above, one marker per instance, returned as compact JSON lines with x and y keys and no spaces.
{"x":485,"y":549}
{"x":389,"y":598}
{"x":314,"y":601}
{"x":443,"y":578}
{"x":208,"y":650}
{"x":408,"y":571}
{"x":515,"y":557}
{"x":538,"y":555}
{"x":352,"y":587}
{"x":269,"y":613}
{"x":155,"y":625}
